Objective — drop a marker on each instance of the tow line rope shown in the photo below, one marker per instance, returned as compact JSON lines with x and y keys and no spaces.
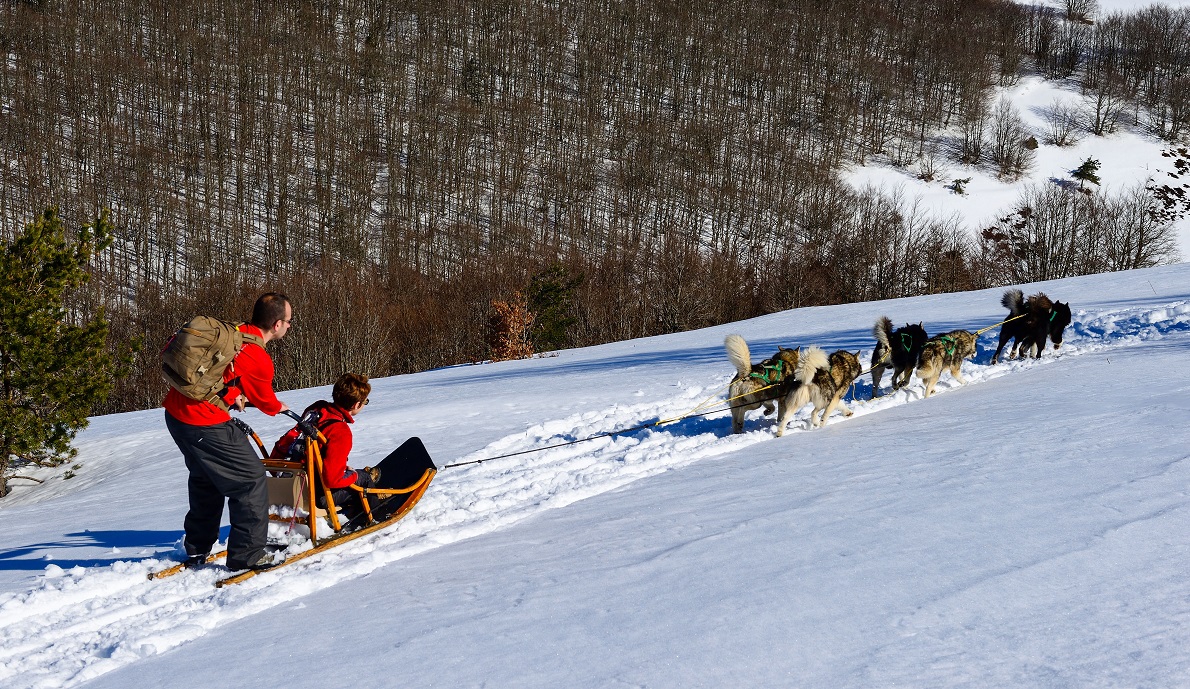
{"x":692,"y":413}
{"x":875,"y":365}
{"x":994,"y":325}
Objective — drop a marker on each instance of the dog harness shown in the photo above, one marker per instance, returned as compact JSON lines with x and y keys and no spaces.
{"x":906,"y":341}
{"x":951,"y":341}
{"x":776,"y":369}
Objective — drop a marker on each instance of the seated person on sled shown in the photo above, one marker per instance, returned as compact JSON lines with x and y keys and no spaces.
{"x":334,"y":419}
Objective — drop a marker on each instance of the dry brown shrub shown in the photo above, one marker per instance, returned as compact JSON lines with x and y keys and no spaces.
{"x":509,"y":324}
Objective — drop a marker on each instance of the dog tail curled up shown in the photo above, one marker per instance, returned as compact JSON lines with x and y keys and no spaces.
{"x":812,"y":359}
{"x":1014,"y":301}
{"x":1039,"y":302}
{"x":883,"y":331}
{"x":738,"y":354}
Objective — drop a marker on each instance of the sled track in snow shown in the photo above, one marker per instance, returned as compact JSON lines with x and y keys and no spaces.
{"x":78,"y":624}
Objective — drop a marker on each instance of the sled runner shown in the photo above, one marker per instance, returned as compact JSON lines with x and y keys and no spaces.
{"x":405,"y":474}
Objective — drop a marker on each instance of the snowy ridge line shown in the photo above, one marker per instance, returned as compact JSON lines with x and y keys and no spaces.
{"x":80,"y":623}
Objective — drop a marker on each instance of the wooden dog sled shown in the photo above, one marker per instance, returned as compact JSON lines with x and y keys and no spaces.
{"x":405,"y":474}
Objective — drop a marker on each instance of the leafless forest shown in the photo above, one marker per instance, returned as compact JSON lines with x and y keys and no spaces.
{"x":620,"y":169}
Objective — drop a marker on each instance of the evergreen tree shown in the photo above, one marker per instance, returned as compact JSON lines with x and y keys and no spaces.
{"x":52,"y":372}
{"x":552,"y":302}
{"x":1086,"y":172}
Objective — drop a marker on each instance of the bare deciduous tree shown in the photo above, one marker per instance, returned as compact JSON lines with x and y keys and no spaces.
{"x":1105,"y":103}
{"x":1062,"y":122}
{"x":1081,"y":10}
{"x":1007,"y":141}
{"x":1053,"y":233}
{"x":972,"y":127}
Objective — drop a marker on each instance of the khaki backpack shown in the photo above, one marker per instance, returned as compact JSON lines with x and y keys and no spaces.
{"x":194,"y":359}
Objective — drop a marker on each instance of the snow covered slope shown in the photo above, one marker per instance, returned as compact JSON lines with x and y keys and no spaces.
{"x":1025,"y":530}
{"x":1129,"y":157}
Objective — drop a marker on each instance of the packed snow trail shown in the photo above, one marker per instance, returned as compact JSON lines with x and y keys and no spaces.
{"x":79,"y":623}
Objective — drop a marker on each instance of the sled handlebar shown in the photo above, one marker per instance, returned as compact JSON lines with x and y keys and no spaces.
{"x":308,"y":428}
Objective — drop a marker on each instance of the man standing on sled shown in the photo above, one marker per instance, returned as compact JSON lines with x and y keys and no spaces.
{"x":348,"y":398}
{"x":221,"y":461}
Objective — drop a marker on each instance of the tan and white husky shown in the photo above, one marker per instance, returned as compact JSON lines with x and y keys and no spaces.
{"x":945,"y":351}
{"x":757,"y":385}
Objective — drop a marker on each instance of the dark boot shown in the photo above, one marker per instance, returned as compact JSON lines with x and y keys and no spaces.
{"x":194,"y":556}
{"x":262,"y":561}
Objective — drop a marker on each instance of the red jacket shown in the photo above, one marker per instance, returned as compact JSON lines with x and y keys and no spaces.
{"x":335,"y":473}
{"x":254,"y":370}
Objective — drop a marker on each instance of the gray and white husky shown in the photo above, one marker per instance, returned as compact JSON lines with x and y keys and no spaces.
{"x":822,"y":380}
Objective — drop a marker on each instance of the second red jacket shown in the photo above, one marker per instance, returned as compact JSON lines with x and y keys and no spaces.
{"x":334,"y":422}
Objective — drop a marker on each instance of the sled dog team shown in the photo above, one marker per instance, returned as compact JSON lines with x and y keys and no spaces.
{"x":793,"y":377}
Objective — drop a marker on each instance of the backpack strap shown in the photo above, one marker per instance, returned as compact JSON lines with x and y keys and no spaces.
{"x":323,"y":423}
{"x":249,"y":337}
{"x":327,"y":423}
{"x":216,"y":397}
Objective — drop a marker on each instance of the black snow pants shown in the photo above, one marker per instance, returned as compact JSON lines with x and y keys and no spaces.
{"x":222,"y":465}
{"x":347,"y":499}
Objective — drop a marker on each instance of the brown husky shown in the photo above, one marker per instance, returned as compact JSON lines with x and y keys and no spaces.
{"x":822,"y":380}
{"x":753,"y":385}
{"x":945,"y":351}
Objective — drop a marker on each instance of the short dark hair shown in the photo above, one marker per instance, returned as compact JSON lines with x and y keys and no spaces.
{"x":350,"y":390}
{"x":269,"y":308}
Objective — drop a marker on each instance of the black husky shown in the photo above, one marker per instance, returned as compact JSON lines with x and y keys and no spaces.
{"x":1039,"y":318}
{"x":899,"y":350}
